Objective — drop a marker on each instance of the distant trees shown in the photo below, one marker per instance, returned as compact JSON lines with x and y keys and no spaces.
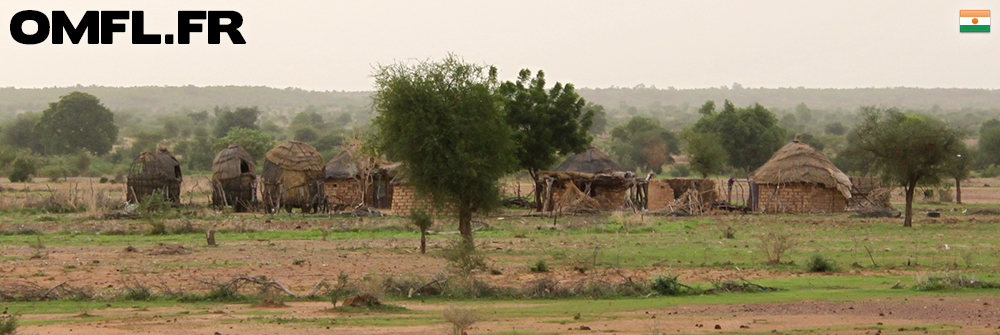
{"x":906,"y":149}
{"x":255,"y":142}
{"x":600,"y":122}
{"x":642,"y":143}
{"x":545,"y":123}
{"x":704,"y":151}
{"x":835,"y":128}
{"x":21,"y":133}
{"x":750,"y":135}
{"x":443,"y":121}
{"x":77,"y":122}
{"x":242,"y":117}
{"x":989,"y":143}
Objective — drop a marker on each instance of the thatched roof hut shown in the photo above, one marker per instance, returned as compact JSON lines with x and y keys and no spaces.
{"x":351,"y":181}
{"x":342,"y":166}
{"x":591,"y":161}
{"x":154,"y":171}
{"x":233,"y":179}
{"x":293,"y":177}
{"x":796,"y":177}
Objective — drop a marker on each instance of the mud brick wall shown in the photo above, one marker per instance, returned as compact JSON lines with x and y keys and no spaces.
{"x":405,"y":199}
{"x":801,"y":198}
{"x":343,"y":191}
{"x":660,"y":194}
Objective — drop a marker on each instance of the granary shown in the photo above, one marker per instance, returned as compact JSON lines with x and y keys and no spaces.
{"x":233,"y":180}
{"x":587,"y":182}
{"x":293,"y":177}
{"x":154,"y":172}
{"x":799,"y":179}
{"x":353,"y":181}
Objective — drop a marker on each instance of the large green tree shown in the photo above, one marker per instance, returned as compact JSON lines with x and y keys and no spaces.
{"x":906,"y":149}
{"x":442,"y":120}
{"x":704,"y":151}
{"x":77,"y":122}
{"x":642,"y":143}
{"x":255,"y":142}
{"x":750,"y":135}
{"x":546,"y":123}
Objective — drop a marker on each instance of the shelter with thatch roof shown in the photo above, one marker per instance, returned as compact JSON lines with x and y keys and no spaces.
{"x":591,"y":161}
{"x":352,"y":181}
{"x":800,"y":179}
{"x":154,"y":172}
{"x":293,"y":177}
{"x":233,"y":180}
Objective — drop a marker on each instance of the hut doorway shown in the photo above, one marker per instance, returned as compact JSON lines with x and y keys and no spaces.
{"x":244,"y":167}
{"x":381,"y":193}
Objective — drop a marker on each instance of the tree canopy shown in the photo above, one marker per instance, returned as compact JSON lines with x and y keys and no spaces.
{"x":642,"y":143}
{"x":989,"y":142}
{"x":242,"y":117}
{"x":545,"y":123}
{"x":905,"y":149}
{"x":705,"y":152}
{"x":750,"y":135}
{"x":77,"y":122}
{"x":443,"y":122}
{"x":255,"y":142}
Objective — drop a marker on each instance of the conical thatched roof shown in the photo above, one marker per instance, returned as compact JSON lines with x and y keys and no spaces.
{"x":155,"y":164}
{"x":341,"y":166}
{"x":590,"y":161}
{"x":295,"y":156}
{"x":798,"y":162}
{"x":232,"y":162}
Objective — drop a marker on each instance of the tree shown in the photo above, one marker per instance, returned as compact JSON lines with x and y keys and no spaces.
{"x":21,"y":133}
{"x":306,"y":134}
{"x":255,"y":142}
{"x":959,"y":167}
{"x":77,"y":122}
{"x":243,"y":117}
{"x":835,"y":128}
{"x":750,"y":135}
{"x":989,"y":142}
{"x":443,"y":122}
{"x":600,"y":122}
{"x":545,"y":124}
{"x":906,"y":149}
{"x":705,"y":152}
{"x":642,"y":143}
{"x":23,"y":168}
{"x":803,"y":113}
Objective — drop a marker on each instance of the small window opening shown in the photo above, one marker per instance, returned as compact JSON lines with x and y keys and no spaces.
{"x":244,"y":167}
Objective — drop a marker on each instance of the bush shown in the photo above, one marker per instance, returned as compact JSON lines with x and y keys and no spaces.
{"x":818,"y":263}
{"x":775,"y":245}
{"x":951,"y":281}
{"x":680,"y":171}
{"x":539,"y":267}
{"x":463,"y":258}
{"x":460,"y":319}
{"x":104,"y":180}
{"x":665,"y":285}
{"x":22,"y":171}
{"x":54,"y":172}
{"x":992,"y":171}
{"x":8,"y":324}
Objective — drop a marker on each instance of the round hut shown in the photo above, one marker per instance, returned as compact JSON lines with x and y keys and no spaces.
{"x":293,"y":177}
{"x":233,"y":180}
{"x":154,"y":172}
{"x":590,"y":161}
{"x":800,"y":179}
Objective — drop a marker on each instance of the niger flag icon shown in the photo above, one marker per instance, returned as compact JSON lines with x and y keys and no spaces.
{"x":974,"y":21}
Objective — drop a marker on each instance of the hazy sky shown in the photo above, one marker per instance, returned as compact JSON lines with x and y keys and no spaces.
{"x":333,"y":45}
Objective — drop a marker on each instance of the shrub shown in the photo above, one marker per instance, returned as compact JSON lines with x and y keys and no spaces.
{"x":539,"y":267}
{"x":54,"y":172}
{"x":23,"y":169}
{"x":818,"y":263}
{"x":463,"y":258}
{"x":8,"y":324}
{"x":158,"y":228}
{"x":950,"y":281}
{"x":423,"y":222}
{"x":775,"y":245}
{"x":681,"y":170}
{"x":667,"y":285}
{"x":461,"y":319}
{"x":729,"y":232}
{"x":104,"y":180}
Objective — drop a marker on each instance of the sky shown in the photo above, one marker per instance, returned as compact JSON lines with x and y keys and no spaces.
{"x":335,"y":45}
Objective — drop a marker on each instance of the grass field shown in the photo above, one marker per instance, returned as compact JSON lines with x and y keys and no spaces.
{"x":621,"y":273}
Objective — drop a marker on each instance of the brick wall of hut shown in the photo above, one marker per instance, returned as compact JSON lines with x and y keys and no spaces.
{"x":609,"y":198}
{"x":405,"y":199}
{"x":343,"y":191}
{"x":660,"y":194}
{"x":801,"y":198}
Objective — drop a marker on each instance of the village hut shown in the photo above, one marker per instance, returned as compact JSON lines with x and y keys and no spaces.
{"x":233,"y":180}
{"x":800,"y":179}
{"x":587,"y":182}
{"x":154,"y":172}
{"x":293,"y":177}
{"x":351,"y":182}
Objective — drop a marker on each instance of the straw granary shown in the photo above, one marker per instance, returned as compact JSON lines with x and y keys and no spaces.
{"x":154,"y":172}
{"x":800,"y":179}
{"x":293,"y":177}
{"x":233,"y":180}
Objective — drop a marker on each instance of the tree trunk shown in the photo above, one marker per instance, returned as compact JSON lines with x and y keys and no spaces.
{"x":908,"y":215}
{"x":465,"y":220}
{"x":958,"y":191}
{"x":423,"y":241}
{"x":538,"y":189}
